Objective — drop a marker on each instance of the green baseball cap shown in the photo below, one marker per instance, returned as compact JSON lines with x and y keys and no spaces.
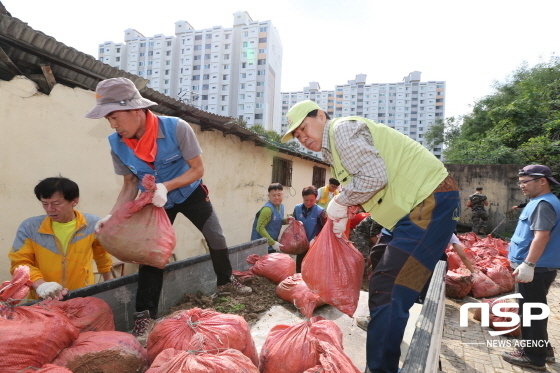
{"x":296,"y":115}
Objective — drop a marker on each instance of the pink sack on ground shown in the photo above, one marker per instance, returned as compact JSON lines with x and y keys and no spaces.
{"x":333,"y":269}
{"x":138,"y":232}
{"x":32,"y":336}
{"x":89,"y":314}
{"x":108,"y":351}
{"x":48,"y":368}
{"x":458,"y":283}
{"x":501,"y":276}
{"x":171,"y":360}
{"x":294,"y":290}
{"x":484,"y":287}
{"x":205,"y":331}
{"x":294,"y":239}
{"x":275,"y":266}
{"x":278,"y":353}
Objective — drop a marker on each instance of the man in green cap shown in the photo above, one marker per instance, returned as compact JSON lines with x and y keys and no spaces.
{"x":406,"y":189}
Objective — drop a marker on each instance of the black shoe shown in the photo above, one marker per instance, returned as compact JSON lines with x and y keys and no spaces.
{"x":518,"y":357}
{"x":550,"y":359}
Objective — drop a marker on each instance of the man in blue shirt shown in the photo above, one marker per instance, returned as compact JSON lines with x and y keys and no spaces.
{"x":535,"y":255}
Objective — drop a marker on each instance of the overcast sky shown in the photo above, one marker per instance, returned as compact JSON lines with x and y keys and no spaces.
{"x":470,"y":45}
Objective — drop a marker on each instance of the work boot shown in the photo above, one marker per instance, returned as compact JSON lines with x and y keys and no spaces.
{"x":363,"y":322}
{"x":143,"y":325}
{"x":518,"y":357}
{"x":234,"y":288}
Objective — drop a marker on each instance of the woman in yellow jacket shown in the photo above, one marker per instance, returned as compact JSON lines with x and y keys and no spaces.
{"x":59,"y":247}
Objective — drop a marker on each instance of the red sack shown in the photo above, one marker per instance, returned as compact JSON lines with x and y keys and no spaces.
{"x":48,"y":368}
{"x":32,"y":336}
{"x":453,"y":261}
{"x":333,"y":269}
{"x":294,"y":239}
{"x":501,"y":276}
{"x":13,"y":292}
{"x":277,"y":353}
{"x":138,"y":232}
{"x":458,"y":283}
{"x":205,"y":331}
{"x":171,"y":360}
{"x":88,"y":314}
{"x":275,"y":266}
{"x":494,"y":318}
{"x":294,"y":290}
{"x":333,"y":360}
{"x":104,"y":352}
{"x":484,"y":287}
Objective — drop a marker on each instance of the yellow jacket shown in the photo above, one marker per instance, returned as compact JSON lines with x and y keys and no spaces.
{"x":37,"y":247}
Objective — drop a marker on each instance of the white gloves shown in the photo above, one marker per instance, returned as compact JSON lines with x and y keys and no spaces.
{"x":160,"y":195}
{"x":50,"y":290}
{"x":277,"y":245}
{"x":339,"y":215}
{"x":524,"y":273}
{"x":100,"y":223}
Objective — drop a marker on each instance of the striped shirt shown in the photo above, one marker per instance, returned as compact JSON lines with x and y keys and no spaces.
{"x":360,"y":158}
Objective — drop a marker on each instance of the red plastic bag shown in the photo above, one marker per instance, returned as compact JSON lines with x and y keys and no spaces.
{"x":13,"y":292}
{"x":332,"y":359}
{"x":275,"y":266}
{"x":458,"y":283}
{"x":32,"y":336}
{"x":139,"y":232}
{"x":205,"y":331}
{"x":501,"y":276}
{"x":294,"y":290}
{"x":108,"y":351}
{"x":294,"y":239}
{"x":283,"y":341}
{"x":484,"y":287}
{"x":333,"y":269}
{"x":48,"y":368}
{"x":88,"y":314}
{"x":177,"y":361}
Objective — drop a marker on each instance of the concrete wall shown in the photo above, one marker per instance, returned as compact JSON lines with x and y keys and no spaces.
{"x":47,"y":135}
{"x":500,"y":186}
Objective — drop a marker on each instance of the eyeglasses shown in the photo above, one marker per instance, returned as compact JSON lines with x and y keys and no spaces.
{"x":523,"y":182}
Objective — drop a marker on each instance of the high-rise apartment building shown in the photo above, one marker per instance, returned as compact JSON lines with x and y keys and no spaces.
{"x":411,"y":106}
{"x":233,"y":72}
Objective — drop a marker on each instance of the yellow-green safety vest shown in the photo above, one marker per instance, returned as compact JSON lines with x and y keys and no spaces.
{"x":413,"y":172}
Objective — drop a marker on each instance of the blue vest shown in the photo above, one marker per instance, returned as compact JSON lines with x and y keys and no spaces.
{"x":169,"y":162}
{"x":521,"y":239}
{"x":273,"y":227}
{"x":311,"y":222}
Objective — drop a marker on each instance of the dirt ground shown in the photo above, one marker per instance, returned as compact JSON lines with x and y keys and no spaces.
{"x":249,"y":306}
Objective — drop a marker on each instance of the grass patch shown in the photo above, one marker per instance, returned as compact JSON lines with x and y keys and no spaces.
{"x":230,"y":308}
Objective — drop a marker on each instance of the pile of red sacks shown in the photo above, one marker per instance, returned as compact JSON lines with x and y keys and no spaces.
{"x":488,"y":256}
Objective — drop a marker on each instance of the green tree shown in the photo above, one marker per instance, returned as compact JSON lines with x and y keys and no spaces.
{"x":518,"y":123}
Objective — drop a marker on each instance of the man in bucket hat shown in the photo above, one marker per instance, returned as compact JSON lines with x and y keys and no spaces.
{"x":534,"y":253}
{"x":407,"y":190}
{"x":167,"y":148}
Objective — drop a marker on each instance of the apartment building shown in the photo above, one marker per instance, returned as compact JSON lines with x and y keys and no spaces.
{"x":410,"y":106}
{"x":234,"y":72}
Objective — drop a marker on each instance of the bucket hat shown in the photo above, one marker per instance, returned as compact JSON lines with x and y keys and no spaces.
{"x":117,"y":94}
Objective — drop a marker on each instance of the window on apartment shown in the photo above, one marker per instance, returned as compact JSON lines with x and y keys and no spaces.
{"x":226,"y":56}
{"x":260,"y":84}
{"x":225,"y":77}
{"x":263,"y":29}
{"x":197,"y":47}
{"x":258,"y":116}
{"x":196,"y":77}
{"x":198,"y":37}
{"x":118,"y":50}
{"x":168,"y":43}
{"x":224,"y":108}
{"x":150,"y":53}
{"x":262,"y":40}
{"x":168,"y":62}
{"x":206,"y":76}
{"x":142,"y":45}
{"x":261,"y":62}
{"x":117,"y":59}
{"x":226,"y":67}
{"x":261,"y":72}
{"x":262,"y":50}
{"x":281,"y":171}
{"x":259,"y":105}
{"x":260,"y":94}
{"x":224,"y":98}
{"x":208,"y":36}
